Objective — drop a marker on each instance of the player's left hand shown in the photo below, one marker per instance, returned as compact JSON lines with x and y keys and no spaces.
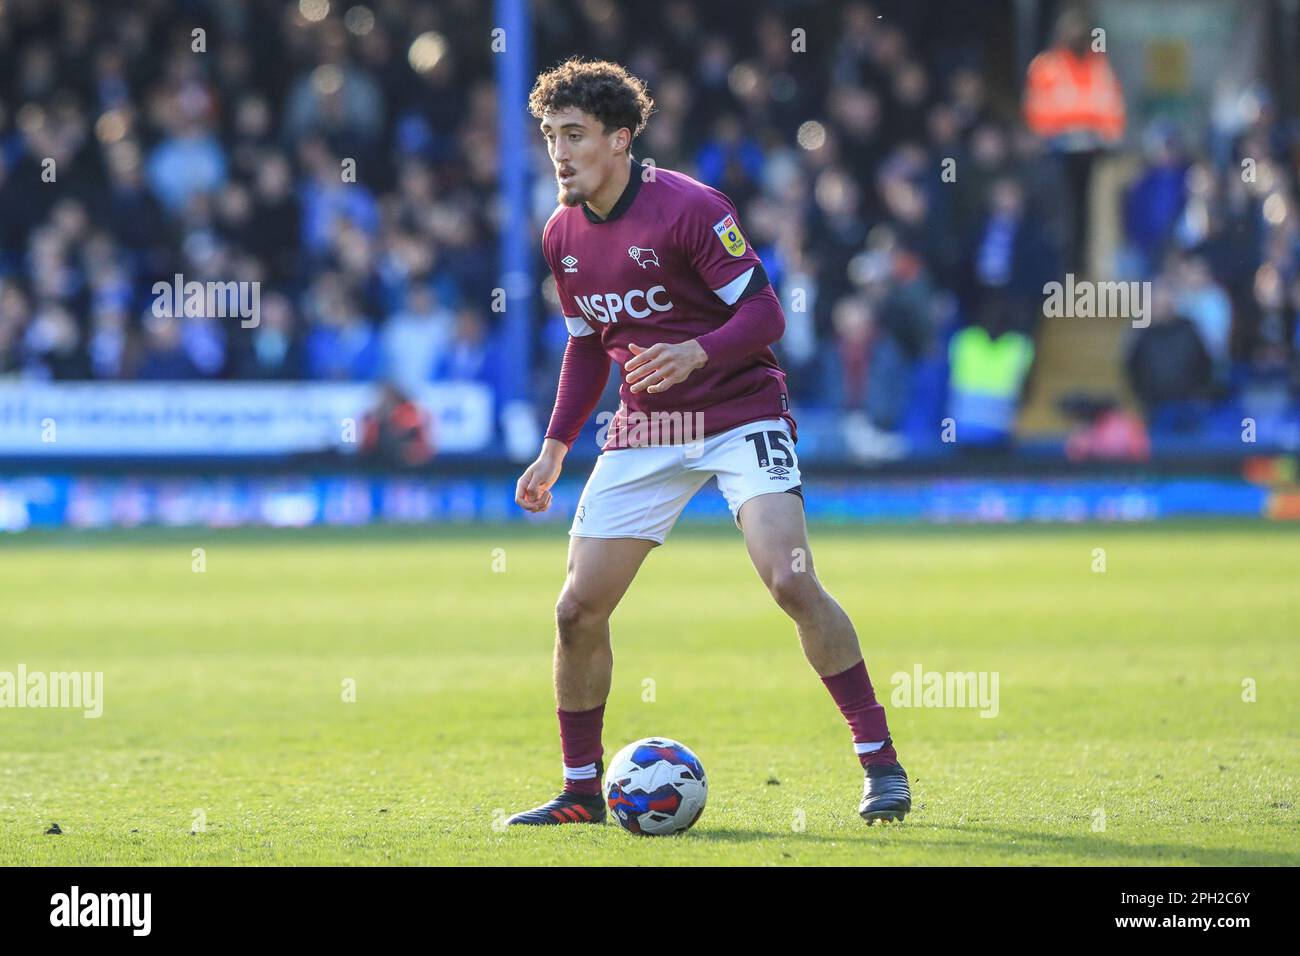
{"x":662,"y":366}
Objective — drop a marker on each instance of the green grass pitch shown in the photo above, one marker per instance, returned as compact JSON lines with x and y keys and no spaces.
{"x":1122,"y":735}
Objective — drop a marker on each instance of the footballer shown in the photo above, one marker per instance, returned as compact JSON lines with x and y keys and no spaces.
{"x":654,"y":272}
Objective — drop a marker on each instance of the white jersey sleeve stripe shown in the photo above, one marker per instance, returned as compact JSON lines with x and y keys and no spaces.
{"x":577,"y":326}
{"x":730,"y":292}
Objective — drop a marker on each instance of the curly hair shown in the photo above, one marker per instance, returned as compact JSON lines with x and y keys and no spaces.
{"x":605,"y":90}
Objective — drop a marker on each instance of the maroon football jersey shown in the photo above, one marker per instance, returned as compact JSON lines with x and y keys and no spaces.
{"x":670,"y":263}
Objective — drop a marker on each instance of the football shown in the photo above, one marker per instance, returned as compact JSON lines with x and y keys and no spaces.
{"x":655,"y":787}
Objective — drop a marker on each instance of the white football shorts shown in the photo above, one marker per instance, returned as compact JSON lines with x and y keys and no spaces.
{"x":640,"y":492}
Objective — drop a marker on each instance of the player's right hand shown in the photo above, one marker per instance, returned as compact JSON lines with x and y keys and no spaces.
{"x":533,"y":490}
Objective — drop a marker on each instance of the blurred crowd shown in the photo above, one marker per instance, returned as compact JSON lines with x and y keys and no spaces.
{"x":344,"y":156}
{"x":318,"y":151}
{"x":1220,"y":242}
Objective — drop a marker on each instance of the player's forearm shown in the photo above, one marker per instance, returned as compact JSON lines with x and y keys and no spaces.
{"x":756,"y":324}
{"x":553,"y":448}
{"x":583,"y":375}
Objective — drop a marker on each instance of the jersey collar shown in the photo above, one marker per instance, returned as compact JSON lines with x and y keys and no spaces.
{"x":624,"y":201}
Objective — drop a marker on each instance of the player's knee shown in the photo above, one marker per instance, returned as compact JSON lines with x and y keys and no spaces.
{"x":574,"y":616}
{"x":797,"y":592}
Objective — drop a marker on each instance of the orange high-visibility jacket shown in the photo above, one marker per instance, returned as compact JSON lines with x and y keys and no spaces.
{"x":1066,"y":93}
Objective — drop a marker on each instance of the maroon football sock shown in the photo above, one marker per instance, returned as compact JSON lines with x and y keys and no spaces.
{"x":580,"y":741}
{"x":856,"y":700}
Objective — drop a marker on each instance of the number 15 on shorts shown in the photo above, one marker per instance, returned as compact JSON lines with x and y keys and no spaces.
{"x":772,"y":449}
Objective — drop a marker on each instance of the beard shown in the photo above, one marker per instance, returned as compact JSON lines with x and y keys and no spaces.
{"x":568,"y":196}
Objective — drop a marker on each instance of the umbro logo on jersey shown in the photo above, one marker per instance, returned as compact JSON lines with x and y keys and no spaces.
{"x":778,"y":472}
{"x":570,"y":263}
{"x":643,"y":257}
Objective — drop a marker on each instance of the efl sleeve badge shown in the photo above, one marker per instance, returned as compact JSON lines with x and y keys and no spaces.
{"x":728,"y":234}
